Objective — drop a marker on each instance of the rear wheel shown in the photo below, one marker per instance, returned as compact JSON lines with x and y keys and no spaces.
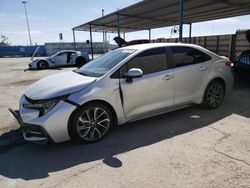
{"x":214,"y":94}
{"x":91,"y":122}
{"x":42,"y":64}
{"x":80,"y":61}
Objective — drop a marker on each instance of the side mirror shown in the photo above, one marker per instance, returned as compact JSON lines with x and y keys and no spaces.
{"x":133,"y":73}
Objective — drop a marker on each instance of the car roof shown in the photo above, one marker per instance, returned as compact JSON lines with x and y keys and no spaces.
{"x":153,"y":45}
{"x":68,"y":51}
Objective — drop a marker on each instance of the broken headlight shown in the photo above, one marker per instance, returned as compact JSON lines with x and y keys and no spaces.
{"x":44,"y":106}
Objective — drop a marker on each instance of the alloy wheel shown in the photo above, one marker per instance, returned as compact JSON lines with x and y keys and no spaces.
{"x":215,"y":95}
{"x":42,"y":65}
{"x":93,"y":124}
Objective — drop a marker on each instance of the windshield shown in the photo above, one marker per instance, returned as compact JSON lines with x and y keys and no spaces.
{"x":53,"y":55}
{"x":104,"y":63}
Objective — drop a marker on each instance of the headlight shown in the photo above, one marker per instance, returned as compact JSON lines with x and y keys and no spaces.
{"x":43,"y":106}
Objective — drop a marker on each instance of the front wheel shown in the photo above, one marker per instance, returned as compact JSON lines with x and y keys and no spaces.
{"x":214,"y":95}
{"x":42,"y":64}
{"x":91,"y":122}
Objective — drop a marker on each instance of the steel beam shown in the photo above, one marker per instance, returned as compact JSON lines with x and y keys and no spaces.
{"x":143,"y":18}
{"x":118,"y":26}
{"x":149,"y":34}
{"x":190,"y":32}
{"x":180,"y":20}
{"x":91,"y":41}
{"x":74,"y":39}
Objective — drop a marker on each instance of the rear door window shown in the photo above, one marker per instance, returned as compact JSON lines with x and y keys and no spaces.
{"x":184,"y":56}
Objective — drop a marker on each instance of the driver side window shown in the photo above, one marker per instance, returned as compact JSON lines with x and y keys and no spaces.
{"x":149,"y":61}
{"x":62,"y":54}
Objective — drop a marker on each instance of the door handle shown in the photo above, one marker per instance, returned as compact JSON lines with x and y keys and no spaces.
{"x":202,"y":68}
{"x":167,"y":77}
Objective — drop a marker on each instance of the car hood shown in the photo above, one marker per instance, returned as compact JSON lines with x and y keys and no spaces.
{"x":58,"y":85}
{"x":39,"y":58}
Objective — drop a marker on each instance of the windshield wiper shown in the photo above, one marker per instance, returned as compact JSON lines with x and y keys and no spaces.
{"x":81,"y":73}
{"x":85,"y":74}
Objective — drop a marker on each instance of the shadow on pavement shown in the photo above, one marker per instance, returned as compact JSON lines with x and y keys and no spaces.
{"x":53,"y":68}
{"x":31,"y":161}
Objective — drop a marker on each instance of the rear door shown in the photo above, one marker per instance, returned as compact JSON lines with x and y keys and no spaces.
{"x":154,"y":90}
{"x":191,"y":72}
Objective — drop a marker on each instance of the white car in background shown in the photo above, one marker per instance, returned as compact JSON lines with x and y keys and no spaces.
{"x":60,"y":59}
{"x":123,"y":85}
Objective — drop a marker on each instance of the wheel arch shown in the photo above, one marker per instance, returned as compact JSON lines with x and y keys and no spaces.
{"x":45,"y":60}
{"x":42,"y":60}
{"x":220,"y":79}
{"x":90,"y":102}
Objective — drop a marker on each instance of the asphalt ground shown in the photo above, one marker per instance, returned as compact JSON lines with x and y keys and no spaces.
{"x":191,"y":147}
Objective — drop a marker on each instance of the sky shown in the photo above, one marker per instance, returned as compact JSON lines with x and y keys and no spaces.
{"x":48,"y":18}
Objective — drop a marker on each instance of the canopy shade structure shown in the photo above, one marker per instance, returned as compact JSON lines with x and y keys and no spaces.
{"x":151,"y":14}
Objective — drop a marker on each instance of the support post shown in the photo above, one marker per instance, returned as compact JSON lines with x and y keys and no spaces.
{"x":180,"y":20}
{"x":149,"y":34}
{"x":217,"y":43}
{"x":104,"y":41}
{"x":118,"y":27}
{"x":74,"y":39}
{"x":232,"y":47}
{"x":190,"y":32}
{"x":103,"y":35}
{"x":91,"y":41}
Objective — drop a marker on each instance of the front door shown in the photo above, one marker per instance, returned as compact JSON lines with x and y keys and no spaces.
{"x":152,"y":92}
{"x":61,"y":59}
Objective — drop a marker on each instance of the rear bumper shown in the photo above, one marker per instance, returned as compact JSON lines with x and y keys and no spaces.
{"x":31,"y":133}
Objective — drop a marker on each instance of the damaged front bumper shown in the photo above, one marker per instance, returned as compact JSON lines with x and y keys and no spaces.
{"x":31,"y":133}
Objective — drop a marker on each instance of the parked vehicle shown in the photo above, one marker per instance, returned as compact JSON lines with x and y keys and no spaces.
{"x":242,"y":61}
{"x":122,"y":43}
{"x":59,"y":59}
{"x":124,"y":85}
{"x":242,"y":64}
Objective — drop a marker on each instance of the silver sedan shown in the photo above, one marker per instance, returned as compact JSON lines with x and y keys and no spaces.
{"x":121,"y":86}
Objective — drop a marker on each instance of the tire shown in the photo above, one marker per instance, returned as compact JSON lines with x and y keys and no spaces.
{"x":91,"y":123}
{"x":80,"y":61}
{"x":214,"y":94}
{"x":42,"y":64}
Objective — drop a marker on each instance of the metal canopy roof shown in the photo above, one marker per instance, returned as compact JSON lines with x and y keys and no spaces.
{"x":150,"y":14}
